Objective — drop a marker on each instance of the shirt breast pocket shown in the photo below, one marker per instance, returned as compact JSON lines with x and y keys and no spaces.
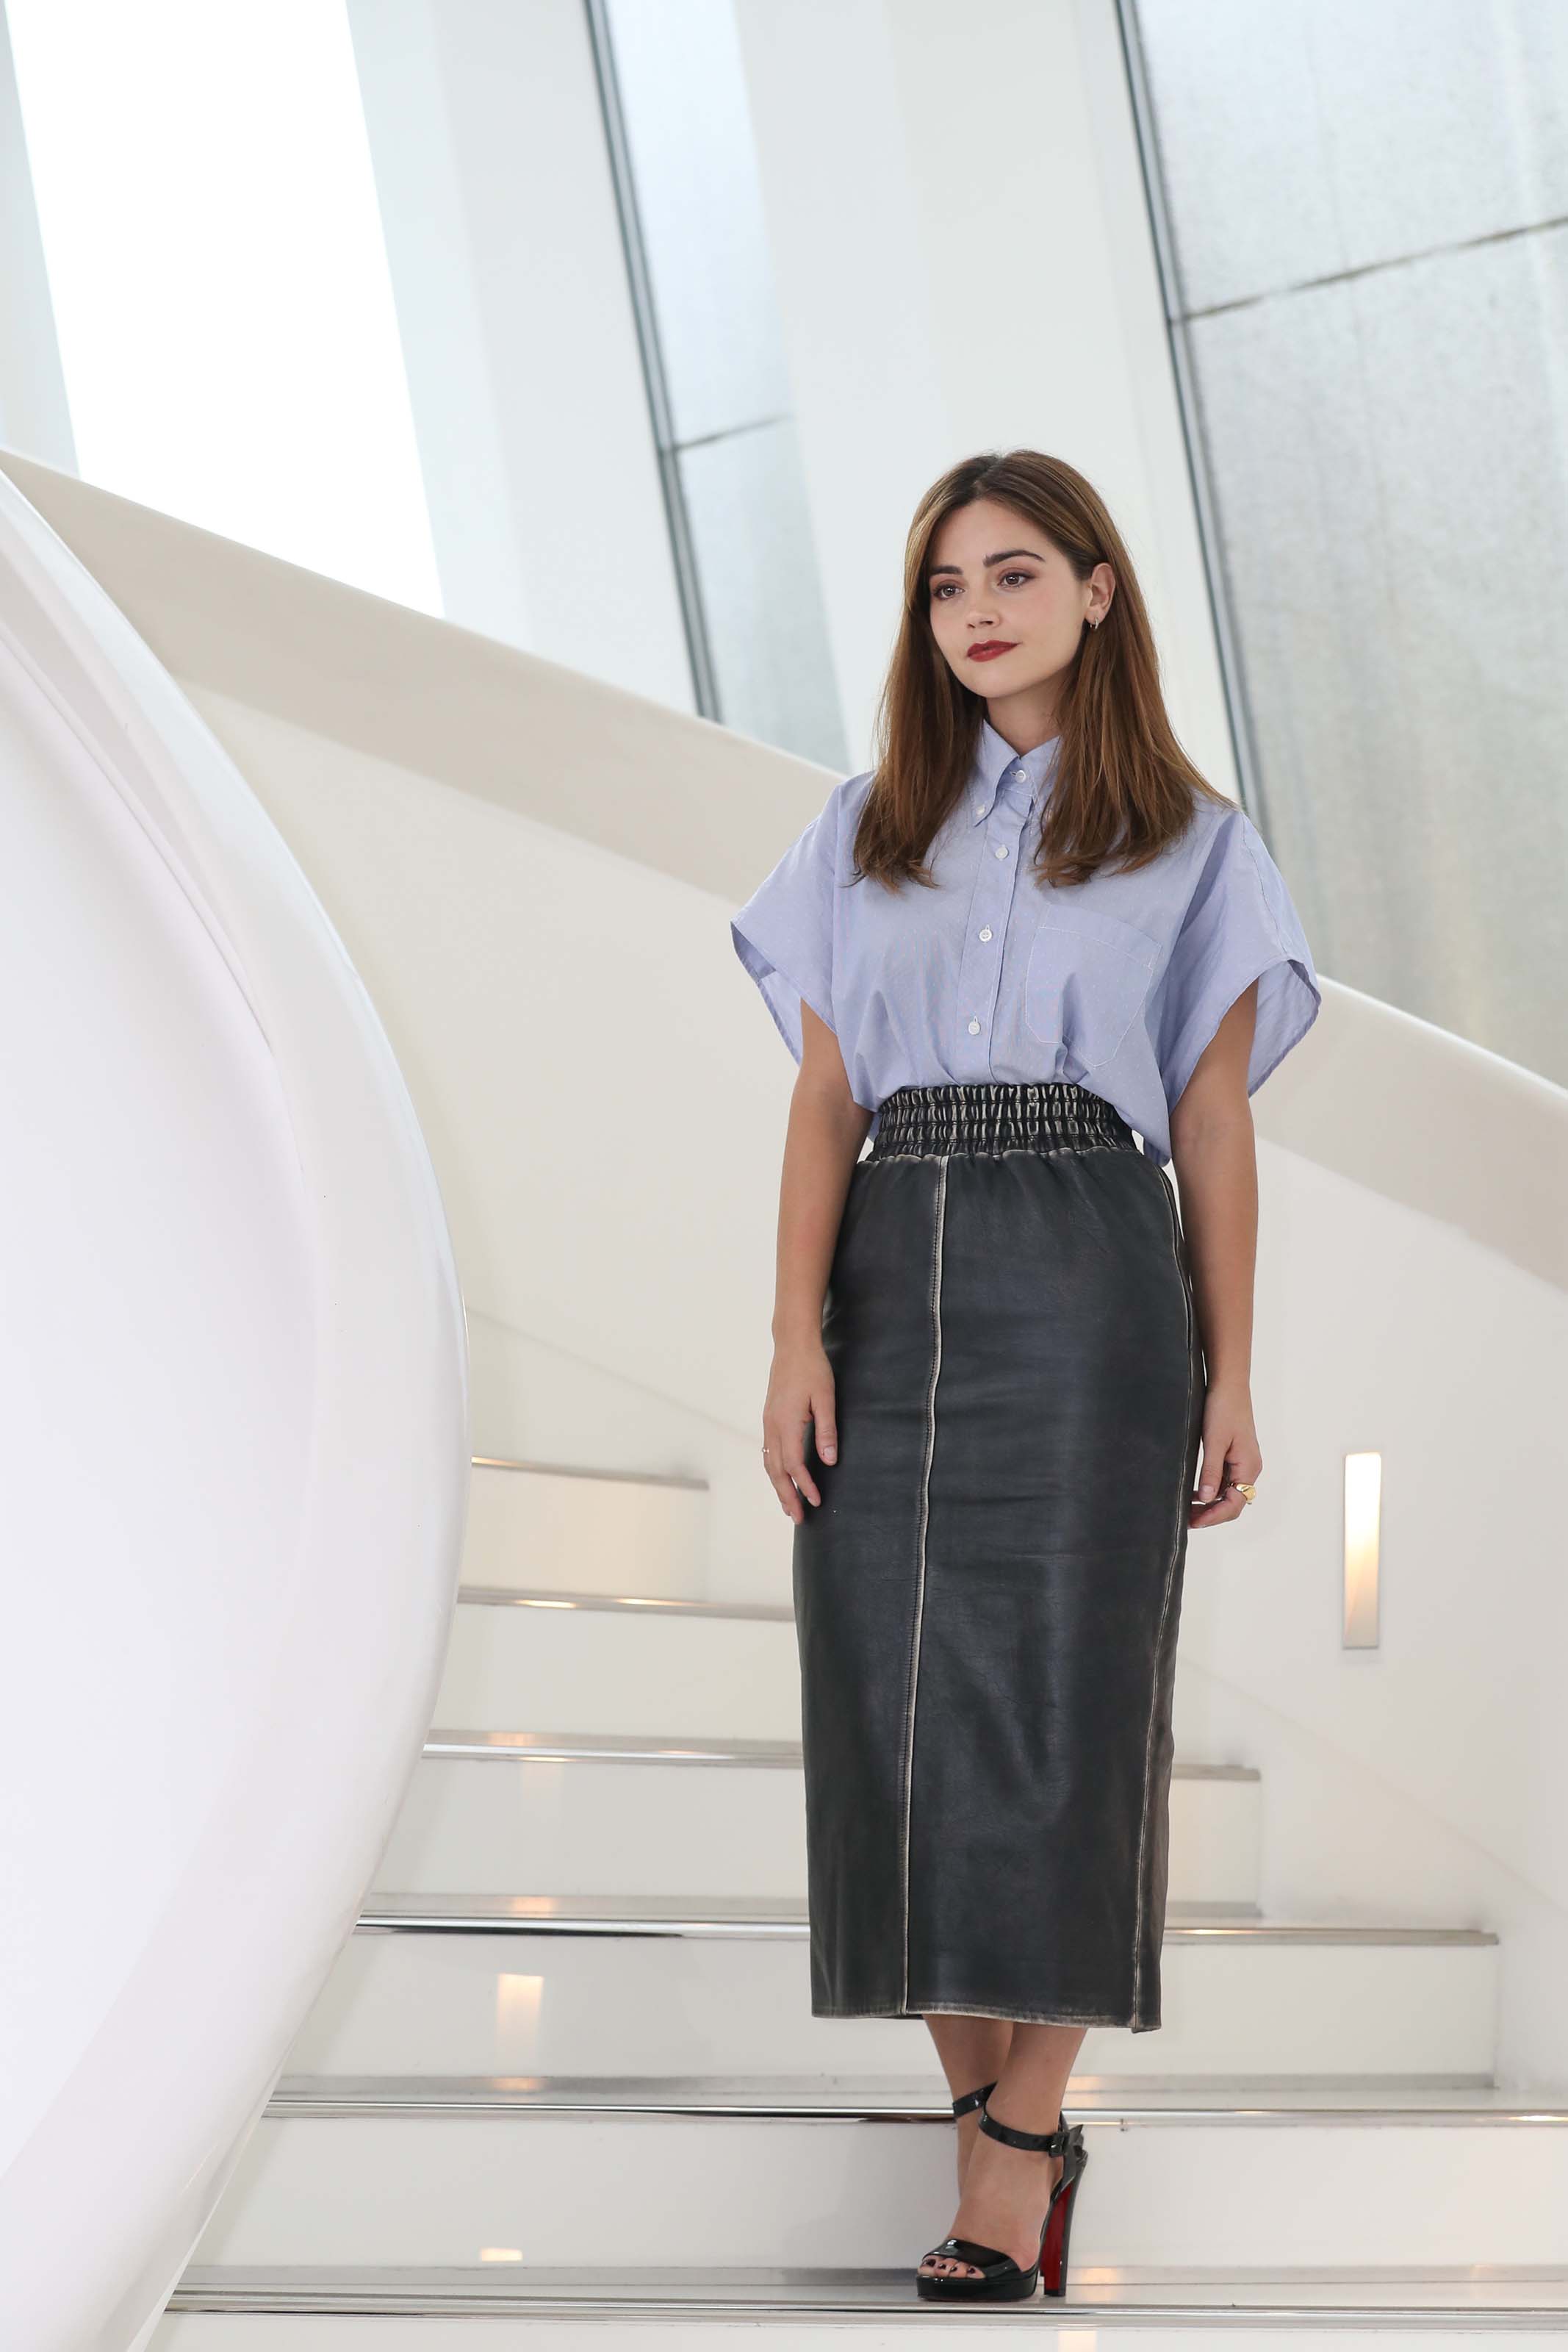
{"x":1086,"y":983}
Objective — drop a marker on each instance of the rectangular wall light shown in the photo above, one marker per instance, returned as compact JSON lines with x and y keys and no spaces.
{"x":1362,"y":1526}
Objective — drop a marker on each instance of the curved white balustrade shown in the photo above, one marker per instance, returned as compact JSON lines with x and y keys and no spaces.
{"x":233,"y":1411}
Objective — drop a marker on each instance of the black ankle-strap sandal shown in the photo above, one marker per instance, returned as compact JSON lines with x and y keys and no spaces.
{"x":1000,"y":2279}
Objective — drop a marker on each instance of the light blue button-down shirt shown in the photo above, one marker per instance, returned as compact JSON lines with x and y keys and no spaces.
{"x":1118,"y":982}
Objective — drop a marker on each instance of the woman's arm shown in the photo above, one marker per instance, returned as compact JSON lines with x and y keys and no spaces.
{"x":827,"y":1128}
{"x":1215,"y":1155}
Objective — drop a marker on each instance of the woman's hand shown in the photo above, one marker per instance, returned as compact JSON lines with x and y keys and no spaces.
{"x":1215,"y":1155}
{"x":800,"y":1393}
{"x":1229,"y":1456}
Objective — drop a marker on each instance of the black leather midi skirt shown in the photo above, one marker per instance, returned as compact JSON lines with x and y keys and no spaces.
{"x":988,"y":1594}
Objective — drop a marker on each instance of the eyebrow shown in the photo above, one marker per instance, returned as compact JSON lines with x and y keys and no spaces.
{"x":999,"y":557}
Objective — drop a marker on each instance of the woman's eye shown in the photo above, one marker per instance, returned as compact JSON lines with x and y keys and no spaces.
{"x":940,"y":588}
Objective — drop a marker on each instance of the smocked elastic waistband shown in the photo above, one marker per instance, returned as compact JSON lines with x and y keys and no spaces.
{"x":998,"y":1115}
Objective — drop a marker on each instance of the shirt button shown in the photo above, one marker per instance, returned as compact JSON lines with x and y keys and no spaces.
{"x":1001,"y":849}
{"x":974,"y":1028}
{"x":987,"y":932}
{"x":979,"y":808}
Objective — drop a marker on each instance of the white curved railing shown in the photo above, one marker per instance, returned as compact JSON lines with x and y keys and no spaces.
{"x":234,"y":1416}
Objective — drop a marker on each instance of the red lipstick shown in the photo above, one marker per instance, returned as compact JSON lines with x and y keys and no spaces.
{"x":991,"y":646}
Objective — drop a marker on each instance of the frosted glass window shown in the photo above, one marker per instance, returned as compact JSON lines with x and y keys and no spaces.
{"x":1371,"y":282}
{"x":218,"y":276}
{"x":688,"y":128}
{"x":755,"y":602}
{"x":766,"y":635}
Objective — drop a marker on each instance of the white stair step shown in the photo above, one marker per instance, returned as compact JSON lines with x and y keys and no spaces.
{"x":542,"y":1524}
{"x":491,"y":1811}
{"x":600,"y":1664}
{"x":616,"y":1662}
{"x":1165,"y":2305}
{"x":575,"y":2185}
{"x":515,"y":1986}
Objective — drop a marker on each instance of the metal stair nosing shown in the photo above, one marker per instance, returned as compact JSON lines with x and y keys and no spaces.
{"x":444,"y":1742}
{"x":647,"y":1605}
{"x":528,"y":1914}
{"x":595,"y":1472}
{"x":1243,"y":2104}
{"x":1439,"y":2299}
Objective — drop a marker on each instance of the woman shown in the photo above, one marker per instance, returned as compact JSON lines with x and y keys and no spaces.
{"x":998,"y":1348}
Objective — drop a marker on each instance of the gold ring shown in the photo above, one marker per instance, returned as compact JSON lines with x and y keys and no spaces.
{"x":1247,"y":1493}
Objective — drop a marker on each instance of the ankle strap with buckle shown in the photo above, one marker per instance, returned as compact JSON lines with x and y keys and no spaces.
{"x":1039,"y":2143}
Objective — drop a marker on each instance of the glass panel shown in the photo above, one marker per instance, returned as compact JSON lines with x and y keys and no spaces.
{"x":745,"y":498}
{"x":1387,"y":453}
{"x":756,"y":608}
{"x":689,"y":132}
{"x":1333,"y":134}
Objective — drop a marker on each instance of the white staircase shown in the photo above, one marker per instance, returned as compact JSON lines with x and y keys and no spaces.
{"x":565,"y":2070}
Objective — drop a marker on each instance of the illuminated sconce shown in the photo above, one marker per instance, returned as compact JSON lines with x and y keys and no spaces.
{"x":1363,"y":1524}
{"x":519,"y":2001}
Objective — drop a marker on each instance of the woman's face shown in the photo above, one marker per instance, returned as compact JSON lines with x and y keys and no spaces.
{"x":993,"y":578}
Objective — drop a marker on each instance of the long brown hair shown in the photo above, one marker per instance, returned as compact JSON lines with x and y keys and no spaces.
{"x":1124,"y":786}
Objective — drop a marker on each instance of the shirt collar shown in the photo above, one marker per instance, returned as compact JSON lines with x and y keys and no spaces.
{"x":995,"y":772}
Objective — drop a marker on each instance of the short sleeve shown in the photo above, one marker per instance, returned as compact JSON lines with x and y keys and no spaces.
{"x":1240,"y":925}
{"x":784,"y":934}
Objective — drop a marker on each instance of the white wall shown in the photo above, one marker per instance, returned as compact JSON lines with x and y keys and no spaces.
{"x":1422,"y":1777}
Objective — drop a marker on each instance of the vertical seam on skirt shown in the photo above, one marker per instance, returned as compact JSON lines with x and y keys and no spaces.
{"x":1165,"y":1601}
{"x":920,"y":1557}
